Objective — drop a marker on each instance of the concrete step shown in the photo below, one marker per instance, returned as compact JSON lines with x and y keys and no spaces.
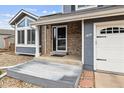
{"x":45,"y":74}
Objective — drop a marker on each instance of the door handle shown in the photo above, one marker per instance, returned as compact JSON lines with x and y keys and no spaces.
{"x":101,"y":36}
{"x":101,"y":59}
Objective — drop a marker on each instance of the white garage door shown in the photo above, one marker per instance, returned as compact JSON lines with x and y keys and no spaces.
{"x":110,"y":47}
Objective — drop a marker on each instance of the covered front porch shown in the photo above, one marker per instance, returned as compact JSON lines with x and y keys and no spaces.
{"x":61,"y":42}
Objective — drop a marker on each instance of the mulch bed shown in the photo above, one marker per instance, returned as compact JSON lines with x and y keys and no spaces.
{"x":87,"y":79}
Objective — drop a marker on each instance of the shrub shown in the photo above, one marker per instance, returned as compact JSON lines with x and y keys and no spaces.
{"x":0,"y":72}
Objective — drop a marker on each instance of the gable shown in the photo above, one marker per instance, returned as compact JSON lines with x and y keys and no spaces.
{"x":25,"y":21}
{"x":20,"y":15}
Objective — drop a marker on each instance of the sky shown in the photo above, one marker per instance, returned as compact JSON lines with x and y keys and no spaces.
{"x":8,"y":11}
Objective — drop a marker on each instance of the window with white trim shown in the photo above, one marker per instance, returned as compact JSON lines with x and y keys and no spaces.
{"x":28,"y":22}
{"x":31,"y":36}
{"x":80,"y":7}
{"x":25,"y":33}
{"x":21,"y":37}
{"x":21,"y":24}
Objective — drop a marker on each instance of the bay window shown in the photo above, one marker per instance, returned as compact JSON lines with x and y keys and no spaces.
{"x":21,"y":24}
{"x":25,"y":33}
{"x":31,"y":36}
{"x":21,"y":37}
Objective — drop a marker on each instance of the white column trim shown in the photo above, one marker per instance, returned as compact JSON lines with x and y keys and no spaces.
{"x":82,"y":26}
{"x":37,"y":54}
{"x":25,"y":32}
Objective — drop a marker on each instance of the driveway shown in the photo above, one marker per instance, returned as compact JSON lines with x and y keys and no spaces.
{"x":103,"y":80}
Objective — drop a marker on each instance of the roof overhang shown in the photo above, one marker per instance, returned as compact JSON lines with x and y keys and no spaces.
{"x":105,"y":12}
{"x":21,"y":14}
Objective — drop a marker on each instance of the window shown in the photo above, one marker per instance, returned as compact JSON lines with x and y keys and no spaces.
{"x":21,"y":24}
{"x":28,"y":22}
{"x":79,"y":7}
{"x":25,"y":22}
{"x":21,"y":37}
{"x":59,"y":38}
{"x":25,"y":33}
{"x":103,"y":31}
{"x":121,"y":30}
{"x":31,"y":36}
{"x":115,"y":30}
{"x":111,"y":30}
{"x":62,"y":32}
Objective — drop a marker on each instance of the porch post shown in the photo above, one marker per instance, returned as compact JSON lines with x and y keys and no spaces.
{"x":37,"y":42}
{"x":82,"y":27}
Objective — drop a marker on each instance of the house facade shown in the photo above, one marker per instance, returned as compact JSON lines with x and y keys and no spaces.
{"x":95,"y":33}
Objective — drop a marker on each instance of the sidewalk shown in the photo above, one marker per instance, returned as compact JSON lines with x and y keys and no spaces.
{"x":87,"y":79}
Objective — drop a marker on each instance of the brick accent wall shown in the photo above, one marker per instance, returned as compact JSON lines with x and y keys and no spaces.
{"x":49,"y":39}
{"x":74,"y":38}
{"x":42,"y":40}
{"x":46,"y":36}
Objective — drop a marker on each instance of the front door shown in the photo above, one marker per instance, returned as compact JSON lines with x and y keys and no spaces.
{"x":59,"y":38}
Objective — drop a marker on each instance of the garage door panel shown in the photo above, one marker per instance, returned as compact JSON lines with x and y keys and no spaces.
{"x":114,"y":67}
{"x":110,"y":51}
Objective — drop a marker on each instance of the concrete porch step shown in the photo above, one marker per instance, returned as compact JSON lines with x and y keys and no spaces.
{"x":47,"y":74}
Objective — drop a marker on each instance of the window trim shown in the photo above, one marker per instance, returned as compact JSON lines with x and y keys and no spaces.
{"x":25,"y":31}
{"x":20,"y":37}
{"x":77,"y":8}
{"x":20,"y":23}
{"x":31,"y":37}
{"x":56,"y":28}
{"x":25,"y":18}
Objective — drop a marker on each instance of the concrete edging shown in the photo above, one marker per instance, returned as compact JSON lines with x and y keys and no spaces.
{"x":2,"y":75}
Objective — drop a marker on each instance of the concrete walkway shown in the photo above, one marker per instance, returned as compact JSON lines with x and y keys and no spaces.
{"x":103,"y":80}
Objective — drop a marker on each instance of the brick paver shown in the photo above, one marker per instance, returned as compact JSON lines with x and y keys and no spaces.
{"x":87,"y":79}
